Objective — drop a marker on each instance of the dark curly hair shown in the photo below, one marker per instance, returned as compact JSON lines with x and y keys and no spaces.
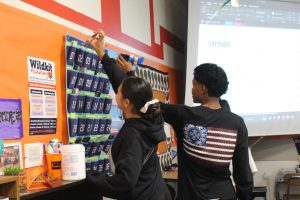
{"x":213,"y":77}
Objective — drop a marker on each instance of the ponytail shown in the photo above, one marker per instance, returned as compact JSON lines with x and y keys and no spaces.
{"x":153,"y":112}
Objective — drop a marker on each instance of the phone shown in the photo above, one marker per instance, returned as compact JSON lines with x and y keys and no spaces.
{"x":125,"y":56}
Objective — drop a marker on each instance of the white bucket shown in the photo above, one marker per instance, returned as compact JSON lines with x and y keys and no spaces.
{"x":73,"y":162}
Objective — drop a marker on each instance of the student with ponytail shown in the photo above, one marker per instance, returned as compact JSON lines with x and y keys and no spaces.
{"x":135,"y":168}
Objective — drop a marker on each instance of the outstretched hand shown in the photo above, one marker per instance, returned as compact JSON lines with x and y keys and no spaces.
{"x":96,"y":41}
{"x":123,"y":64}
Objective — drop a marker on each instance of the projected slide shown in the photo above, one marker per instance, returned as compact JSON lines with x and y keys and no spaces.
{"x":258,"y":45}
{"x":262,"y":64}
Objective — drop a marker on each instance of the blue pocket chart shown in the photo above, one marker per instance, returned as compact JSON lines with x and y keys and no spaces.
{"x":89,"y":97}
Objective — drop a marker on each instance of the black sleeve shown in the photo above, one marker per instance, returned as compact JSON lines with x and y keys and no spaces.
{"x":128,"y":168}
{"x":171,"y":113}
{"x":114,"y":73}
{"x":242,"y":174}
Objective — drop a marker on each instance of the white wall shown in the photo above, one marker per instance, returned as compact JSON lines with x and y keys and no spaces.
{"x":135,"y":22}
{"x":172,"y":15}
{"x":272,"y":157}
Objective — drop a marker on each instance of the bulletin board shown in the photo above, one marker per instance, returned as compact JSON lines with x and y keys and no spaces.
{"x":23,"y":34}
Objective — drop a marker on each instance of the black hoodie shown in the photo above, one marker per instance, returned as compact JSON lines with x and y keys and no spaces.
{"x":132,"y":180}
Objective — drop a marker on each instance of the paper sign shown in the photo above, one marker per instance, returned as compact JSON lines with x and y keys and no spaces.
{"x":41,"y":71}
{"x":42,"y":96}
{"x":33,"y":154}
{"x":11,"y":119}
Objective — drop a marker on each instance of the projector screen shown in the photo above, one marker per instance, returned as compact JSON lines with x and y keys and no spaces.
{"x":258,"y":46}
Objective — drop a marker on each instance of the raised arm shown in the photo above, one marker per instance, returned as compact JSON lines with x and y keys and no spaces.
{"x":172,"y":113}
{"x":115,"y":74}
{"x":110,"y":65}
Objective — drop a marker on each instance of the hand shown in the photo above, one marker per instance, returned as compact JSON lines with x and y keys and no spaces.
{"x":96,"y":41}
{"x":92,"y":179}
{"x":123,"y":64}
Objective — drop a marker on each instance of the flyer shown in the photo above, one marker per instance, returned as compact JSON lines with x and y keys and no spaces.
{"x":42,"y":96}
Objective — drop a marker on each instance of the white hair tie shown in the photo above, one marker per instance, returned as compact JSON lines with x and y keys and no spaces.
{"x":145,"y":107}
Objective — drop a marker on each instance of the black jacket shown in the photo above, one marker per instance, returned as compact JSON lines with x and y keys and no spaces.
{"x":207,"y":140}
{"x":132,"y":179}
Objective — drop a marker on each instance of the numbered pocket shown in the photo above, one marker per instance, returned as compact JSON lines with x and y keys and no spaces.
{"x":89,"y":126}
{"x":107,"y":105}
{"x":95,"y":104}
{"x":71,"y":78}
{"x":88,"y":81}
{"x":101,"y":105}
{"x":81,"y":126}
{"x":80,"y":80}
{"x":94,"y":64}
{"x":88,"y":104}
{"x":107,"y":126}
{"x":80,"y":103}
{"x":71,"y":53}
{"x":95,"y":129}
{"x":73,"y":126}
{"x":95,"y":84}
{"x":106,"y":86}
{"x":87,"y":60}
{"x":102,"y":124}
{"x":71,"y":104}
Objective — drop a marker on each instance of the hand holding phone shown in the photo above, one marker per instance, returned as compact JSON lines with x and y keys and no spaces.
{"x":125,"y":56}
{"x":123,"y":63}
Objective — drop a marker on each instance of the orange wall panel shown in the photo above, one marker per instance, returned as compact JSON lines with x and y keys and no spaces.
{"x":23,"y":34}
